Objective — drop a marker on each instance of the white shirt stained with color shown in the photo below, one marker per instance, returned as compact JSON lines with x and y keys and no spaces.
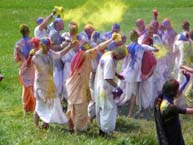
{"x":40,"y":34}
{"x":106,"y":109}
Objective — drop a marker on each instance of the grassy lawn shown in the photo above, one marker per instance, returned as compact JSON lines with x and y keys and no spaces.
{"x":17,"y":129}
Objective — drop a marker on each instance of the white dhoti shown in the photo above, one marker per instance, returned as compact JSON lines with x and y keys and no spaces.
{"x":145,"y":98}
{"x":129,"y":90}
{"x":50,"y":113}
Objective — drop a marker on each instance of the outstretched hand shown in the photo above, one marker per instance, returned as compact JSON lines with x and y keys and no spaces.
{"x":53,"y":12}
{"x":120,"y":76}
{"x":186,"y":74}
{"x":117,"y":92}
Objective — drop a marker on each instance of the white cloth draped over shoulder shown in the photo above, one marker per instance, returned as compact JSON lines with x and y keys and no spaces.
{"x":50,"y":111}
{"x":131,"y":70}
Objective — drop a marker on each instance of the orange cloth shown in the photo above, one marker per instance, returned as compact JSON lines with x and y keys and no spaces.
{"x":78,"y":90}
{"x":78,"y":83}
{"x":77,"y":113}
{"x":28,"y":99}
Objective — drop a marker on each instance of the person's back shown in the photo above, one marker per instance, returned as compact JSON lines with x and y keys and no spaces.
{"x":132,"y":72}
{"x":167,"y":113}
{"x":170,"y":116}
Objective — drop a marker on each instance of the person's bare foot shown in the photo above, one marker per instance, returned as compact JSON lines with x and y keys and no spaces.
{"x":45,"y":125}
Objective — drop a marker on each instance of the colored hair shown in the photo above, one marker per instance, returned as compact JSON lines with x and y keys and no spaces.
{"x":73,"y":27}
{"x":133,"y":36}
{"x":185,"y":25}
{"x":24,"y":29}
{"x":45,"y":41}
{"x":121,"y":51}
{"x":89,"y":26}
{"x":170,"y":88}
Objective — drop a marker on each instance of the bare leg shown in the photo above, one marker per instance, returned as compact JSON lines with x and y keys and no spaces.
{"x":132,"y":106}
{"x":71,"y":126}
{"x":36,"y":119}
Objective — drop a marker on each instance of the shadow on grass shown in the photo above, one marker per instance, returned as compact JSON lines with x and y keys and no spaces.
{"x":127,"y":125}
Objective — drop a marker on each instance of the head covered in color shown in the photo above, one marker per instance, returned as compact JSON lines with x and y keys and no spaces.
{"x":140,"y":24}
{"x":133,"y":36}
{"x":166,"y":23}
{"x":58,"y":24}
{"x":24,"y":29}
{"x":39,"y":20}
{"x":116,"y":28}
{"x":73,"y":28}
{"x":120,"y":53}
{"x":155,"y":26}
{"x":170,"y":88}
{"x":35,"y":42}
{"x":185,"y":25}
{"x":45,"y":42}
{"x":89,"y":29}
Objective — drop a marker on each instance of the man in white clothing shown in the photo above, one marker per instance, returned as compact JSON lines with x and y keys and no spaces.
{"x":40,"y":30}
{"x":106,"y":108}
{"x":131,"y":71}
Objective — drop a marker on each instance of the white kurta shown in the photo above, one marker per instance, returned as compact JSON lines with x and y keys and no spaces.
{"x":66,"y":72}
{"x":146,"y":95}
{"x":168,"y":39}
{"x":131,"y":70}
{"x":161,"y":71}
{"x":50,"y":112}
{"x":183,"y":51}
{"x":58,"y":65}
{"x":106,"y":108}
{"x":40,"y":34}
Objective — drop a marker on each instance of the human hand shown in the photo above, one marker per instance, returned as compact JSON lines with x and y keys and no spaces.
{"x":117,"y":92}
{"x":120,"y":77}
{"x":155,"y":13}
{"x":53,"y":12}
{"x":186,"y":74}
{"x":116,"y":37}
{"x":32,"y":52}
{"x":182,"y":66}
{"x":156,"y":50}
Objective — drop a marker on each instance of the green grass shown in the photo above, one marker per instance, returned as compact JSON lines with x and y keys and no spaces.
{"x":17,"y":129}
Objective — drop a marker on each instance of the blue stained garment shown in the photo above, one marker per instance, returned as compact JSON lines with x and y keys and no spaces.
{"x":132,"y":48}
{"x":25,"y":46}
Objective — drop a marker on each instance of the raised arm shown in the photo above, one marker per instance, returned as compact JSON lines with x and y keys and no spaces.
{"x":111,"y":82}
{"x":103,"y":45}
{"x":93,"y":52}
{"x":189,"y":69}
{"x":184,"y":83}
{"x":189,"y":110}
{"x":63,"y":51}
{"x":45,"y":22}
{"x":149,"y":48}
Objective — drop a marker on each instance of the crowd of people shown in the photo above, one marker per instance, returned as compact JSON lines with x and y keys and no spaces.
{"x":81,"y":68}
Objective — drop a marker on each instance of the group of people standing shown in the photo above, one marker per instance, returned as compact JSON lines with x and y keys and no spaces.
{"x":81,"y":69}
